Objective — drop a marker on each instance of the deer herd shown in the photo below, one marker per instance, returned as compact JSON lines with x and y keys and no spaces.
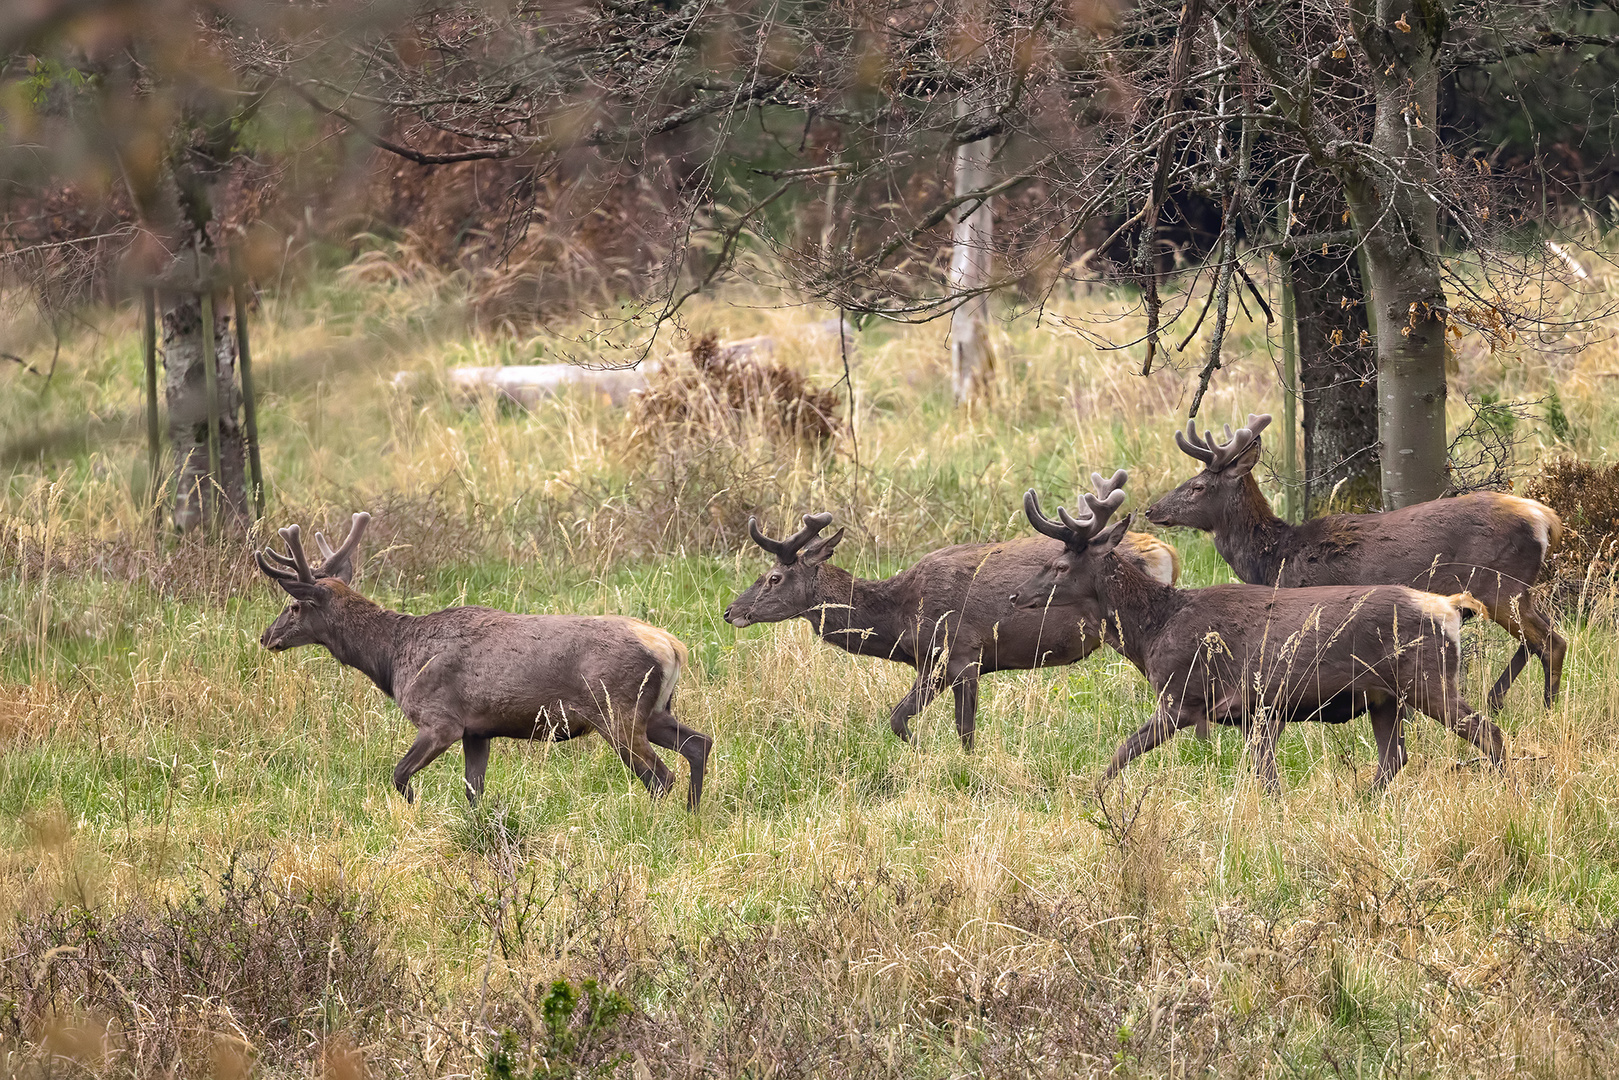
{"x":1342,"y":615}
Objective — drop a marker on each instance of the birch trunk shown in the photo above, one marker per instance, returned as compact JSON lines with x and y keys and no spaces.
{"x":972,"y":359}
{"x":1398,"y":221}
{"x":196,"y":494}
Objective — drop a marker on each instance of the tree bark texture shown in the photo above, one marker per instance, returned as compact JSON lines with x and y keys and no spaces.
{"x":972,"y":358}
{"x":1337,"y":385}
{"x":185,"y":391}
{"x":1398,"y":222}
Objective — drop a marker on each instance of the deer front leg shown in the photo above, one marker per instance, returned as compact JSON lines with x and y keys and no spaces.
{"x":1389,"y":728}
{"x":929,"y":681}
{"x":1163,"y":723}
{"x":966,"y":691}
{"x":431,"y":741}
{"x":476,"y":750}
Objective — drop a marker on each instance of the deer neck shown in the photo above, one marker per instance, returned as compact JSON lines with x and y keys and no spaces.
{"x":372,"y":641}
{"x":1252,"y":540}
{"x":855,"y":614}
{"x":1136,"y":606}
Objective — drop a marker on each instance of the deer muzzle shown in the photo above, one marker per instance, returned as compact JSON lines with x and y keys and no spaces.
{"x":1159,"y":514}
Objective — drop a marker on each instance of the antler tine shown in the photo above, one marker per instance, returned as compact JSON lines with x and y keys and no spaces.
{"x":1103,"y":509}
{"x":336,"y":561}
{"x":1104,"y":488}
{"x":1081,"y":528}
{"x":813,"y":524}
{"x":295,"y":545}
{"x":772,"y":546}
{"x":1238,"y":443}
{"x":1041,"y":523}
{"x":1192,"y":446}
{"x":276,"y":556}
{"x":272,"y":570}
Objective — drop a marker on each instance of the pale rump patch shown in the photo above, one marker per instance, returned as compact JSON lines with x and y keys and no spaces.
{"x":1162,"y":562}
{"x":670,"y":652}
{"x":1447,"y":610}
{"x":1547,"y":525}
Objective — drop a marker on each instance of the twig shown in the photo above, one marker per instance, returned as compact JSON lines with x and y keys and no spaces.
{"x":1254,"y":291}
{"x":14,"y":358}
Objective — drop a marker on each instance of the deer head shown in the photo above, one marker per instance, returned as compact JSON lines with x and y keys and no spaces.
{"x":315,"y":592}
{"x":1202,"y":501}
{"x":1067,"y":579}
{"x":790,"y":587}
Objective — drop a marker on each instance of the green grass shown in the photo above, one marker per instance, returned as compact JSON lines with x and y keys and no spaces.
{"x":843,"y":903}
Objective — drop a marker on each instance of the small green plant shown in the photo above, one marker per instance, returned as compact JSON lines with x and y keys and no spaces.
{"x":1557,"y":419}
{"x":566,"y":1041}
{"x":1498,"y":414}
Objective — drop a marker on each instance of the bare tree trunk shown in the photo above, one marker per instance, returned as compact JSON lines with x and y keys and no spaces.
{"x":185,"y":390}
{"x":972,"y":359}
{"x":1338,"y":384}
{"x":1398,"y":222}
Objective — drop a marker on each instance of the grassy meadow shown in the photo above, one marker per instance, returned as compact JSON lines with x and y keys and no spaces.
{"x":205,"y":872}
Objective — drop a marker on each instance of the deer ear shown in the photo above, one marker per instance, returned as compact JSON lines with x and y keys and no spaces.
{"x":310,"y":592}
{"x":1111,"y":536}
{"x":1245,"y":461}
{"x":821,"y":550}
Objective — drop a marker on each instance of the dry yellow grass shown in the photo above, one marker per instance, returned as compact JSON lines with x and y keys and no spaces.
{"x":843,"y":905}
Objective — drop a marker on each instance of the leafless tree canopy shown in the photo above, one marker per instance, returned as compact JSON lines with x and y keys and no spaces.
{"x":1139,"y":140}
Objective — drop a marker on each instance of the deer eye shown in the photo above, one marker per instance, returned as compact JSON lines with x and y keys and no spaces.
{"x":773,"y":579}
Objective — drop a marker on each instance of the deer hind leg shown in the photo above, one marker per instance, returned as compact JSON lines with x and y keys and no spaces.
{"x":1445,"y":704}
{"x":430,"y":743}
{"x":1522,"y":618}
{"x":1267,"y":732}
{"x":1509,"y":675}
{"x":662,"y":729}
{"x":1163,"y":723}
{"x":1388,"y":725}
{"x":1547,"y":644}
{"x":965,"y":687}
{"x":929,"y":682}
{"x":476,"y":751}
{"x":639,"y":757}
{"x":1504,"y":612}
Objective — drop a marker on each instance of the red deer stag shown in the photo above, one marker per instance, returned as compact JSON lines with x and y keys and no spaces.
{"x":1259,"y":656}
{"x":1488,"y":544}
{"x":946,"y":616}
{"x":473,"y":673}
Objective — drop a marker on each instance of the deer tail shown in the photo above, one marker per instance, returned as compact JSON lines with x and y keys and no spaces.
{"x":1466,"y":605}
{"x":1554,"y":530}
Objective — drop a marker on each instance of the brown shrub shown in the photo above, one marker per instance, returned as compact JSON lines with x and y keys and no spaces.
{"x":184,"y":988}
{"x":1586,"y":497}
{"x":721,"y":389}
